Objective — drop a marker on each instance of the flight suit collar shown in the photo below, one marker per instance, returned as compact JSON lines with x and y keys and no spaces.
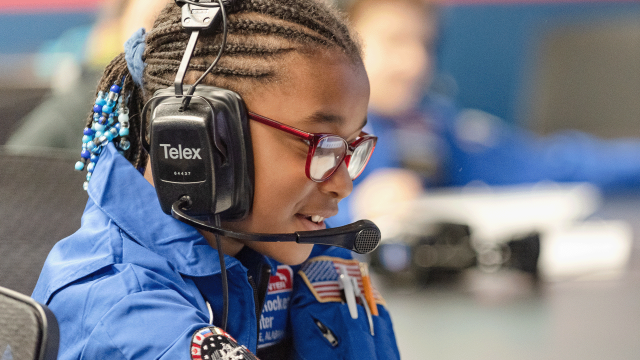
{"x":122,"y":193}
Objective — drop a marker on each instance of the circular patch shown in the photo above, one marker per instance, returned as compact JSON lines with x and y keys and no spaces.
{"x":213,"y":343}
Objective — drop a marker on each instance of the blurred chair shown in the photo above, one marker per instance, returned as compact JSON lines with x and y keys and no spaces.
{"x":15,"y":103}
{"x":28,"y":330}
{"x":41,"y":202}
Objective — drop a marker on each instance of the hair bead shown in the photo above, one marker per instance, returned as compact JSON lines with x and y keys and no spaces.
{"x":105,"y":127}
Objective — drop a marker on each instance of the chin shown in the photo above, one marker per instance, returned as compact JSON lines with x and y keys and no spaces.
{"x":286,"y":253}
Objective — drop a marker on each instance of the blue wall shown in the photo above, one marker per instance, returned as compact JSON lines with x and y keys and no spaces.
{"x":25,"y":33}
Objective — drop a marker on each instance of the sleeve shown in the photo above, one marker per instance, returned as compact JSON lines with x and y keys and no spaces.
{"x":112,"y":315}
{"x":321,"y":323}
{"x":155,"y":324}
{"x":504,"y":154}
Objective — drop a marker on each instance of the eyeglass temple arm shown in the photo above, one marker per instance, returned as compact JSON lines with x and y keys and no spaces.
{"x":291,"y":130}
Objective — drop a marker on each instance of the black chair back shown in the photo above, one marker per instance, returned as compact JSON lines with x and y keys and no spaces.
{"x":41,"y":202}
{"x":28,"y":330}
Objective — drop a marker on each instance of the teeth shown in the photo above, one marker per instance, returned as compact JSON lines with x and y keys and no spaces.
{"x":317,"y":218}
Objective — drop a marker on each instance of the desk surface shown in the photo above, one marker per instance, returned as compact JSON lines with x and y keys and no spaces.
{"x":501,"y":316}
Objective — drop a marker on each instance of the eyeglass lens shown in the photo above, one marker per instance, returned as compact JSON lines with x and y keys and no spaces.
{"x":330,"y":152}
{"x":359,"y":158}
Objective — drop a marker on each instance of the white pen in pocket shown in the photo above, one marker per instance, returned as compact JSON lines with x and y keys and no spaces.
{"x":346,"y":285}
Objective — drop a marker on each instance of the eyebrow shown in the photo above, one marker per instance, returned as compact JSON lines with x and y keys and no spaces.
{"x":319,"y":117}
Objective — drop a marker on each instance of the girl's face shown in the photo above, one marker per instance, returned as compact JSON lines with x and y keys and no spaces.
{"x":326,"y":93}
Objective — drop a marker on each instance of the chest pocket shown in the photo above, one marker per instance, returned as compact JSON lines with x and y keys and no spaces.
{"x":326,"y":324}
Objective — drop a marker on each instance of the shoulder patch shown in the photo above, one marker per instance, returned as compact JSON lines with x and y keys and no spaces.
{"x":321,"y":276}
{"x":213,"y":343}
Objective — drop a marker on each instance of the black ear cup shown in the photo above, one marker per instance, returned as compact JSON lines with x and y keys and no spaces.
{"x":203,"y":152}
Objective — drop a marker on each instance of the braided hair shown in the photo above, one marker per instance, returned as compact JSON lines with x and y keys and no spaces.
{"x":260,"y":34}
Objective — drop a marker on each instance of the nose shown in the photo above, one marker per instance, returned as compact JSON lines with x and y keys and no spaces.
{"x":339,"y":185}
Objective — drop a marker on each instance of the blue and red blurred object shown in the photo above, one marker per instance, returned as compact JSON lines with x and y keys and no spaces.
{"x":26,"y":25}
{"x":31,"y":6}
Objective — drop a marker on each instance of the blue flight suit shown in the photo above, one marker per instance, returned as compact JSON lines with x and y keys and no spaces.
{"x":496,"y":153}
{"x":132,"y":282}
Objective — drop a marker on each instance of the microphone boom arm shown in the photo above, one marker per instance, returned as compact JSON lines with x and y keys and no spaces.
{"x":363,"y":236}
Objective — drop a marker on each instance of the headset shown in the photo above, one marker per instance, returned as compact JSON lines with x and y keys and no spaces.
{"x":201,"y":155}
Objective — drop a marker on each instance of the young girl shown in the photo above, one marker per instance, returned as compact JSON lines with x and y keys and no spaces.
{"x":134,"y":283}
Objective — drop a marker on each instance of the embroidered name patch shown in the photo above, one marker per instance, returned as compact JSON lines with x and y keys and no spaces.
{"x":213,"y":343}
{"x":273,"y":319}
{"x":321,"y":276}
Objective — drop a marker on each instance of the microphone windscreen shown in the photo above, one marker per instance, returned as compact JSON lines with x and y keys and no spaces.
{"x":361,"y":236}
{"x":367,"y":240}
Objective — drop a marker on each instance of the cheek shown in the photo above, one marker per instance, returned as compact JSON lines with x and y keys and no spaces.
{"x":280,"y":182}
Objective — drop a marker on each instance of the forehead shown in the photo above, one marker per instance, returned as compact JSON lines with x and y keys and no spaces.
{"x":322,"y":92}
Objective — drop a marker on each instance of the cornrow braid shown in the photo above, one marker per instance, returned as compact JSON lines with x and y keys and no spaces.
{"x":260,"y":34}
{"x":309,"y":14}
{"x":230,"y":50}
{"x":250,"y":27}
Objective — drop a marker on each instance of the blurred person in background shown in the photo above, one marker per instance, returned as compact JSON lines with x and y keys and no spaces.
{"x":74,"y":63}
{"x":425,"y":141}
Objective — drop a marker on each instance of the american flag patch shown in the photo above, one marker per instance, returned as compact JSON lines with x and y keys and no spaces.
{"x":321,"y":276}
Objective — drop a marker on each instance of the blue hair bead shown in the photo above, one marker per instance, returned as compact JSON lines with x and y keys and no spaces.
{"x":107,"y":109}
{"x":124,"y":144}
{"x":108,"y":135}
{"x":108,"y":121}
{"x":124,"y":131}
{"x":100,"y":100}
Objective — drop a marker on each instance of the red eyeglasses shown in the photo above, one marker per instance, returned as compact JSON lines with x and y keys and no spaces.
{"x":327,"y":151}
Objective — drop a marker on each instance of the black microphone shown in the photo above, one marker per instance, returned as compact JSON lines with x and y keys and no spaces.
{"x":362,"y":236}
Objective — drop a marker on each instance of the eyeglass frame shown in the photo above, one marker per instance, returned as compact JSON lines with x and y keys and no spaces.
{"x":314,"y":139}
